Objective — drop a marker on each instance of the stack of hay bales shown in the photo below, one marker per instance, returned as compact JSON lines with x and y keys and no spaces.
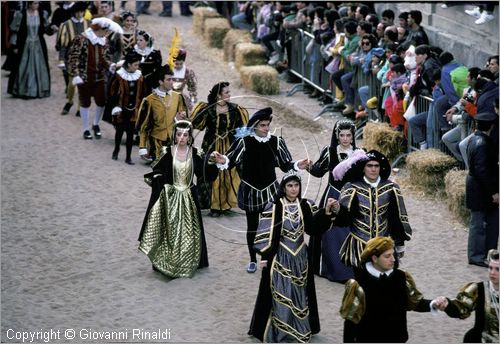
{"x":455,"y":194}
{"x":249,"y":54}
{"x":215,"y":30}
{"x":381,"y":137}
{"x":261,"y":79}
{"x":199,"y":16}
{"x":427,"y":169}
{"x":234,"y":37}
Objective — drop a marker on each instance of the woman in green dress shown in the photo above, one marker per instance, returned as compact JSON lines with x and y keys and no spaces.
{"x":172,"y":234}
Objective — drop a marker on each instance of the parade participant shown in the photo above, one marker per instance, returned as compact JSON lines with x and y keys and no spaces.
{"x":151,"y":58}
{"x":370,"y":204}
{"x":375,"y":303}
{"x":30,"y":75}
{"x":157,"y":115}
{"x":257,"y":153}
{"x":219,"y":118}
{"x":286,"y":308}
{"x":126,"y":94}
{"x":172,"y":234}
{"x":481,"y":297}
{"x":88,"y":63}
{"x":185,"y":78}
{"x":129,"y":36}
{"x":67,"y":32}
{"x":324,"y":250}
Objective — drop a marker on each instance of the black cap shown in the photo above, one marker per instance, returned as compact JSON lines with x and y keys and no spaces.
{"x":486,"y":117}
{"x":385,"y":166}
{"x":264,"y":114}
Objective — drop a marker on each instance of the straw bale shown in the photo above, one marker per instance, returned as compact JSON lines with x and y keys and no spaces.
{"x":249,"y":54}
{"x":261,"y":79}
{"x":232,"y":38}
{"x":427,"y":169}
{"x":382,"y":137}
{"x":454,"y":182}
{"x":199,"y":16}
{"x":215,"y":31}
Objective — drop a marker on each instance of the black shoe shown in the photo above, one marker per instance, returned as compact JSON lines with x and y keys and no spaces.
{"x":87,"y":135}
{"x":130,"y":162}
{"x":214,"y":213}
{"x":66,"y":108}
{"x":114,"y":156}
{"x":97,"y":131}
{"x":165,"y":14}
{"x":77,"y":114}
{"x":481,"y":264}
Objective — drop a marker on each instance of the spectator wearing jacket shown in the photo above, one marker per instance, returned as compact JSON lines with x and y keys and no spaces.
{"x":416,"y":33}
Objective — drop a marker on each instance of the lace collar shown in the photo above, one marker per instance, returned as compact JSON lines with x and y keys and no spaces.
{"x":144,"y":52}
{"x":260,"y":138}
{"x":129,"y":76}
{"x":90,"y":34}
{"x":374,"y":184}
{"x":76,"y":21}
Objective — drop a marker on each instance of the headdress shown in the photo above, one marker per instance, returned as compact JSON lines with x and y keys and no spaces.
{"x":342,"y":124}
{"x":174,"y":49}
{"x":149,"y":39}
{"x":106,"y":23}
{"x":184,"y":126}
{"x":290,"y":175}
{"x":264,"y":114}
{"x":376,"y":246}
{"x":181,"y":55}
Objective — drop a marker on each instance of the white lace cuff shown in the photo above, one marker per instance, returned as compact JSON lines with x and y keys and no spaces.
{"x":223,"y":166}
{"x":115,"y":110}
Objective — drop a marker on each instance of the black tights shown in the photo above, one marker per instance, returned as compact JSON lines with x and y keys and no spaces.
{"x":120,"y":129}
{"x":252,"y":225}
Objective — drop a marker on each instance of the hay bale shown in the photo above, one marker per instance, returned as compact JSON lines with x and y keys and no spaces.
{"x":261,"y":79}
{"x":199,"y":16}
{"x":382,"y":137}
{"x":249,"y":54}
{"x":454,"y":182}
{"x":232,"y":38}
{"x":427,"y":169}
{"x":215,"y":31}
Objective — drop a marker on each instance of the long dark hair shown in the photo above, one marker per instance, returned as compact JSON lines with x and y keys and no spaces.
{"x":216,"y":91}
{"x":343,"y":124}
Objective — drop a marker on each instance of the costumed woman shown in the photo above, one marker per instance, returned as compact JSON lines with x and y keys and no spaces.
{"x":183,"y":77}
{"x":30,"y":75}
{"x":126,"y":94}
{"x":129,"y":35}
{"x":219,"y":118}
{"x":286,"y":308}
{"x":172,"y":234}
{"x":150,"y":58}
{"x":324,"y":250}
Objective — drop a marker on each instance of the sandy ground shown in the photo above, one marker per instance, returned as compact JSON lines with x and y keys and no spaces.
{"x":71,"y":217}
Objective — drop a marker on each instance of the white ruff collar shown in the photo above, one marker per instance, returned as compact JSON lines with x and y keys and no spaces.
{"x":129,"y":76}
{"x":179,"y":74}
{"x":262,"y":139}
{"x":144,"y":52}
{"x":374,"y":184}
{"x":89,"y":33}
{"x":77,"y":20}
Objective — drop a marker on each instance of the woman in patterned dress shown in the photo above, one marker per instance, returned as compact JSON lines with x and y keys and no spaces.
{"x":286,"y":309}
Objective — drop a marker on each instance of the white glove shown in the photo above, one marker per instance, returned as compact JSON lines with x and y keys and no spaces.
{"x":77,"y":81}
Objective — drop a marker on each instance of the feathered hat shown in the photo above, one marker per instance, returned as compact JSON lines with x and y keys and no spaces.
{"x":105,"y":23}
{"x":352,"y":168}
{"x":265,"y":114}
{"x":174,"y":49}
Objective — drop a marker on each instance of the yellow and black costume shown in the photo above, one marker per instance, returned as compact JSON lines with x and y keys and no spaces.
{"x":172,"y":234}
{"x":220,"y":129}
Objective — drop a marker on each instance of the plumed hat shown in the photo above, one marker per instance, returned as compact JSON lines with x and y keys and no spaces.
{"x":181,"y":55}
{"x":376,"y":246}
{"x":352,"y":169}
{"x":78,"y":6}
{"x":264,"y":114}
{"x":105,"y":23}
